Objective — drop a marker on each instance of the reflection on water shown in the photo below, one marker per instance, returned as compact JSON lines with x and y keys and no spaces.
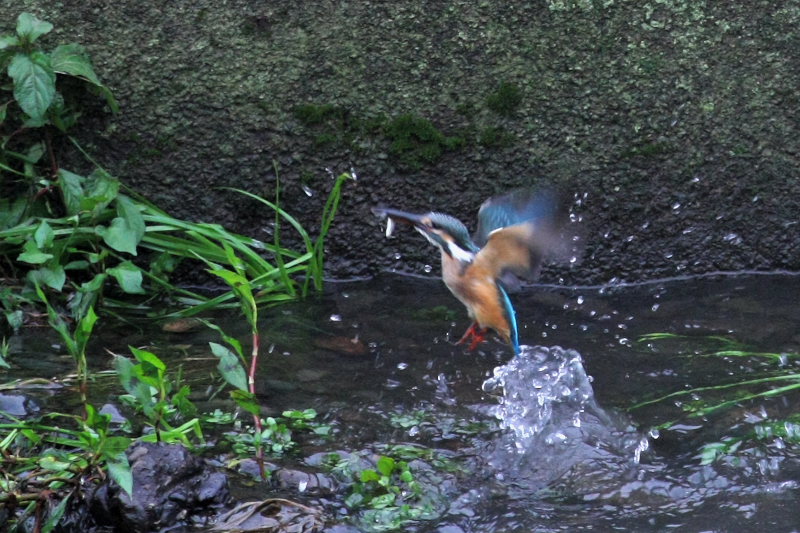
{"x":543,"y":441}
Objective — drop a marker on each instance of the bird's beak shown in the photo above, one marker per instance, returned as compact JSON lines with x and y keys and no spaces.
{"x":394,"y":215}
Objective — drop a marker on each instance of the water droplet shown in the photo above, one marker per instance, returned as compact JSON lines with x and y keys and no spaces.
{"x":353,"y":173}
{"x":427,"y":268}
{"x":402,"y":366}
{"x":306,"y":189}
{"x":580,"y":300}
{"x":336,"y":318}
{"x":398,"y":255}
{"x":732,"y":238}
{"x":676,"y":206}
{"x":301,"y":486}
{"x":654,"y":307}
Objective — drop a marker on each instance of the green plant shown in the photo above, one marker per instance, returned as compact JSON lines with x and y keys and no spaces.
{"x":775,"y":380}
{"x":42,"y":461}
{"x":387,"y":496}
{"x":505,"y":99}
{"x":75,"y":341}
{"x":150,"y":390}
{"x":276,"y":435}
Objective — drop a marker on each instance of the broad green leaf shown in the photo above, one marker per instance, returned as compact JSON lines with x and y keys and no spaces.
{"x":49,"y":462}
{"x":133,"y":216}
{"x":34,"y":83}
{"x":11,"y":213}
{"x":148,"y":358}
{"x":246,"y":401}
{"x":56,"y":514}
{"x":72,"y":190}
{"x":119,"y":236}
{"x":385,"y":465}
{"x":100,"y":190}
{"x":382,"y":501}
{"x":84,"y":329}
{"x":229,"y":366}
{"x":32,"y":255}
{"x":129,"y":277}
{"x":31,"y":28}
{"x":44,"y":235}
{"x":72,"y":59}
{"x":130,"y":379}
{"x":7,"y":41}
{"x":368,"y":475}
{"x":15,"y":319}
{"x":119,"y":469}
{"x":54,"y":277}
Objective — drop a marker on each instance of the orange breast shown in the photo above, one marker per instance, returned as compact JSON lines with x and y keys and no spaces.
{"x":477,"y":290}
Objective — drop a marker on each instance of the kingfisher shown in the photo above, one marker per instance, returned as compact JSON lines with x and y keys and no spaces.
{"x":515,"y":233}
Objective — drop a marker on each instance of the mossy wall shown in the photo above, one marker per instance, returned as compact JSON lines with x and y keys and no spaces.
{"x":675,"y":122}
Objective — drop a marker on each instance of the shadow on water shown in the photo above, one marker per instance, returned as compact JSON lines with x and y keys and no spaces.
{"x":545,"y":441}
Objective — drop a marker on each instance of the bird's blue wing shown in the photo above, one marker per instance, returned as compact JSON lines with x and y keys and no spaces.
{"x":516,"y":207}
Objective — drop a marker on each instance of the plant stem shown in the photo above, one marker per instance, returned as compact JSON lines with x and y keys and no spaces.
{"x":251,"y":381}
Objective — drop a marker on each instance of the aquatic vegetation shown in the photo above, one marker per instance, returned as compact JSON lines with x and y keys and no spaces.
{"x":388,"y":494}
{"x":775,"y":380}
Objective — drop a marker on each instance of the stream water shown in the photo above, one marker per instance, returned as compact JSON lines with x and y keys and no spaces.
{"x":545,"y":441}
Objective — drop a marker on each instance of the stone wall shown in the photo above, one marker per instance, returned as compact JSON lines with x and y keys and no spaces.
{"x":675,"y":122}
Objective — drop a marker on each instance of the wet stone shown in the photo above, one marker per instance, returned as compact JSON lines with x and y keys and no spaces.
{"x":17,"y":405}
{"x":170,"y":486}
{"x":304,"y":481}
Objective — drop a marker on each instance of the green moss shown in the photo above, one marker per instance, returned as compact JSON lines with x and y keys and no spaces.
{"x":314,"y":114}
{"x":649,"y":150}
{"x":505,"y":99}
{"x":415,"y":140}
{"x":495,"y":137}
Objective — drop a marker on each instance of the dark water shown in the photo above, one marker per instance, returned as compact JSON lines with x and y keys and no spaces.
{"x":544,"y":441}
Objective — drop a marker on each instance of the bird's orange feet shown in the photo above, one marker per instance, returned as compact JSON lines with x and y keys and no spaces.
{"x":476,"y":333}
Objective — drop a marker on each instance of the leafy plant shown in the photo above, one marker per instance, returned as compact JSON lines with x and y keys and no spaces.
{"x":150,"y":390}
{"x":75,"y":341}
{"x":41,"y":458}
{"x":385,"y":491}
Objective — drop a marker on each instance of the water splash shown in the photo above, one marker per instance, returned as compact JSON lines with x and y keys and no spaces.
{"x":543,"y":389}
{"x":552,"y":421}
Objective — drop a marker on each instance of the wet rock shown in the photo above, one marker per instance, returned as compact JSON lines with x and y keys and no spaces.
{"x":304,"y":481}
{"x":17,"y":405}
{"x":170,"y":486}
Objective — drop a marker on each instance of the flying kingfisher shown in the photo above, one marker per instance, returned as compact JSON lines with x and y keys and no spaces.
{"x":515,"y":232}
